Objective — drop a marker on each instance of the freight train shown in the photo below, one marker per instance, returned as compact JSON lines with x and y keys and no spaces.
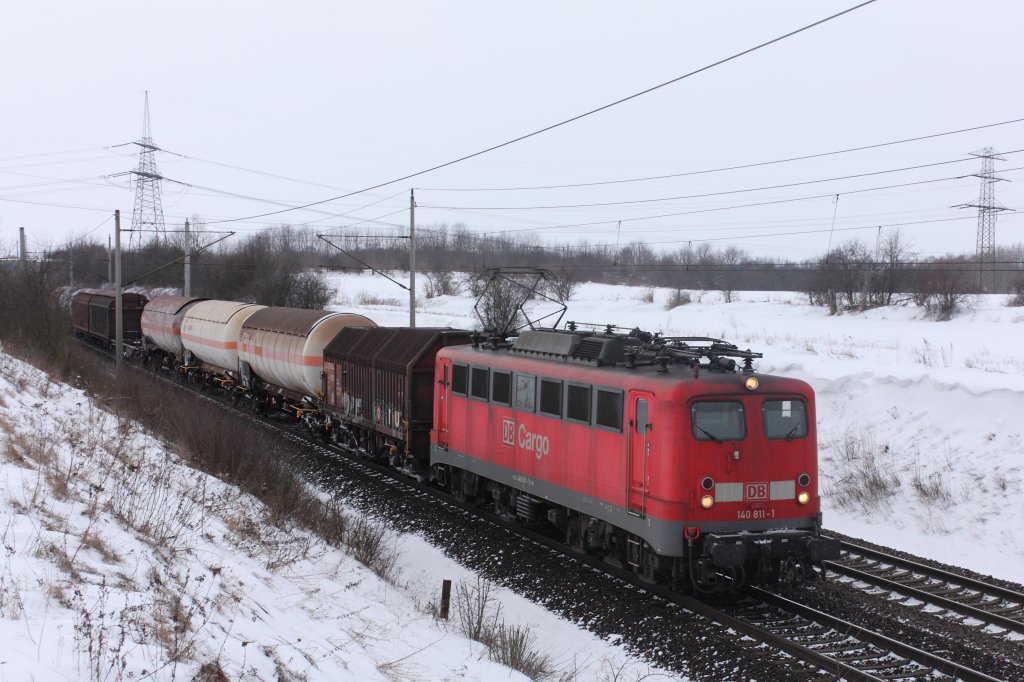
{"x":669,"y":456}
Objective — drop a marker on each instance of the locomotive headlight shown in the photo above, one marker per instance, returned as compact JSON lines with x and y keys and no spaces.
{"x":708,"y":501}
{"x":804,"y":497}
{"x":751,"y":383}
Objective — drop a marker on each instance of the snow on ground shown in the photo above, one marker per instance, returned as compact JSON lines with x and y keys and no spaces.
{"x":929,"y":413}
{"x":107,"y":572}
{"x":119,"y":562}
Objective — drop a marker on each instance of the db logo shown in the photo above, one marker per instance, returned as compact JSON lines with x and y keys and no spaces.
{"x":755,"y":491}
{"x":508,"y":432}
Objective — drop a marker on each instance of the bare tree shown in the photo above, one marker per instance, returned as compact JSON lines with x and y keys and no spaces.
{"x":442,"y":283}
{"x":944,"y":287}
{"x":310,"y":290}
{"x":891,"y":278}
{"x":563,"y":284}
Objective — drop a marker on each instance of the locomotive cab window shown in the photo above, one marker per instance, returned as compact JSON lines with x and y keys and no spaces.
{"x":784,"y":419}
{"x":526,"y":392}
{"x":577,"y":403}
{"x":501,"y":387}
{"x":551,"y":397}
{"x":480,"y":382}
{"x":460,"y":379}
{"x":609,"y":409}
{"x":718,"y":421}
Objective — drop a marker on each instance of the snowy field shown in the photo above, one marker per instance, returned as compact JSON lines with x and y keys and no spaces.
{"x":930,"y":413}
{"x":111,"y":575}
{"x":119,"y":562}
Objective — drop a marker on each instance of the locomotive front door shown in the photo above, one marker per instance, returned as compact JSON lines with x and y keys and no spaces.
{"x":441,"y":418}
{"x":638,"y":452}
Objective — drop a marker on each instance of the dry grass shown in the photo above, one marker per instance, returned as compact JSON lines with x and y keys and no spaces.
{"x":92,"y":540}
{"x":479,"y":618}
{"x":858,"y":474}
{"x":366,"y":298}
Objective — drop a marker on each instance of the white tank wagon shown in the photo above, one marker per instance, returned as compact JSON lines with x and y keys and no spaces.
{"x":285,"y":346}
{"x":161,"y":322}
{"x":210,"y":331}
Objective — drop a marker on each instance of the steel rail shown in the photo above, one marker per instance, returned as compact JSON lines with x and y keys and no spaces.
{"x":929,"y":598}
{"x":925,"y":658}
{"x":969,"y":583}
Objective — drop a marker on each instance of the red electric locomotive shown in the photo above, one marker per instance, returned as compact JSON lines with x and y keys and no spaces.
{"x":661,"y":452}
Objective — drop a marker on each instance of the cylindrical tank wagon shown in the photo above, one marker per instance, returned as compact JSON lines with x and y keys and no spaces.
{"x":285,"y":346}
{"x":210,"y":331}
{"x":161,"y":322}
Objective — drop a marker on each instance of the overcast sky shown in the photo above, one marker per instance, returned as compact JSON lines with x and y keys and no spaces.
{"x":323,"y":98}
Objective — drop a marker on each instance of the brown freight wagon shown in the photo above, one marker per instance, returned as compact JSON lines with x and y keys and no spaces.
{"x":380,"y":381}
{"x":94,"y":314}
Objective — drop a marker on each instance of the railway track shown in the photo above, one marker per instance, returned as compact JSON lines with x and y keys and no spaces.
{"x":964,"y":597}
{"x":815,"y":645}
{"x":842,"y":648}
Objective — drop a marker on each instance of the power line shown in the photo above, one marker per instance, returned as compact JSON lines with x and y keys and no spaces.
{"x":709,"y":194}
{"x":568,"y":120}
{"x":734,"y":206}
{"x":725,"y":168}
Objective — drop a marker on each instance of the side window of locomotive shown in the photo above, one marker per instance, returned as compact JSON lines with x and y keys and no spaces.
{"x":718,"y":421}
{"x":785,"y":419}
{"x":460,"y":379}
{"x":501,"y":387}
{"x":526,"y":392}
{"x":609,"y":409}
{"x":479,"y":387}
{"x":577,"y":403}
{"x":551,"y":397}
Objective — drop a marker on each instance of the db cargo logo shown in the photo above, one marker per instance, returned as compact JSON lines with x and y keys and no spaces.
{"x":755,"y":492}
{"x":508,"y":432}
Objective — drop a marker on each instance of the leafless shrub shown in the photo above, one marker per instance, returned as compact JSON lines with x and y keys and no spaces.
{"x":478,"y":610}
{"x":12,"y":607}
{"x":857,"y":474}
{"x":515,"y":646}
{"x":563,"y":285}
{"x":499,"y":305}
{"x":310,"y":290}
{"x":932,"y":488}
{"x":211,"y":671}
{"x":101,"y":635}
{"x":371,"y":546}
{"x":91,"y":539}
{"x":145,"y":499}
{"x":33,"y":446}
{"x":646,"y":296}
{"x":479,"y":618}
{"x":1017,"y":294}
{"x":677,"y":298}
{"x":442,"y":283}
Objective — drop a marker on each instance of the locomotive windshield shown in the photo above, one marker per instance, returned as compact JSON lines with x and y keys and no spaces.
{"x":718,"y":421}
{"x":784,"y":419}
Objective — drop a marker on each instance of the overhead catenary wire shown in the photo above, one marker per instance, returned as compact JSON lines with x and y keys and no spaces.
{"x":567,"y":121}
{"x":723,"y":169}
{"x":735,"y":206}
{"x":704,"y":195}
